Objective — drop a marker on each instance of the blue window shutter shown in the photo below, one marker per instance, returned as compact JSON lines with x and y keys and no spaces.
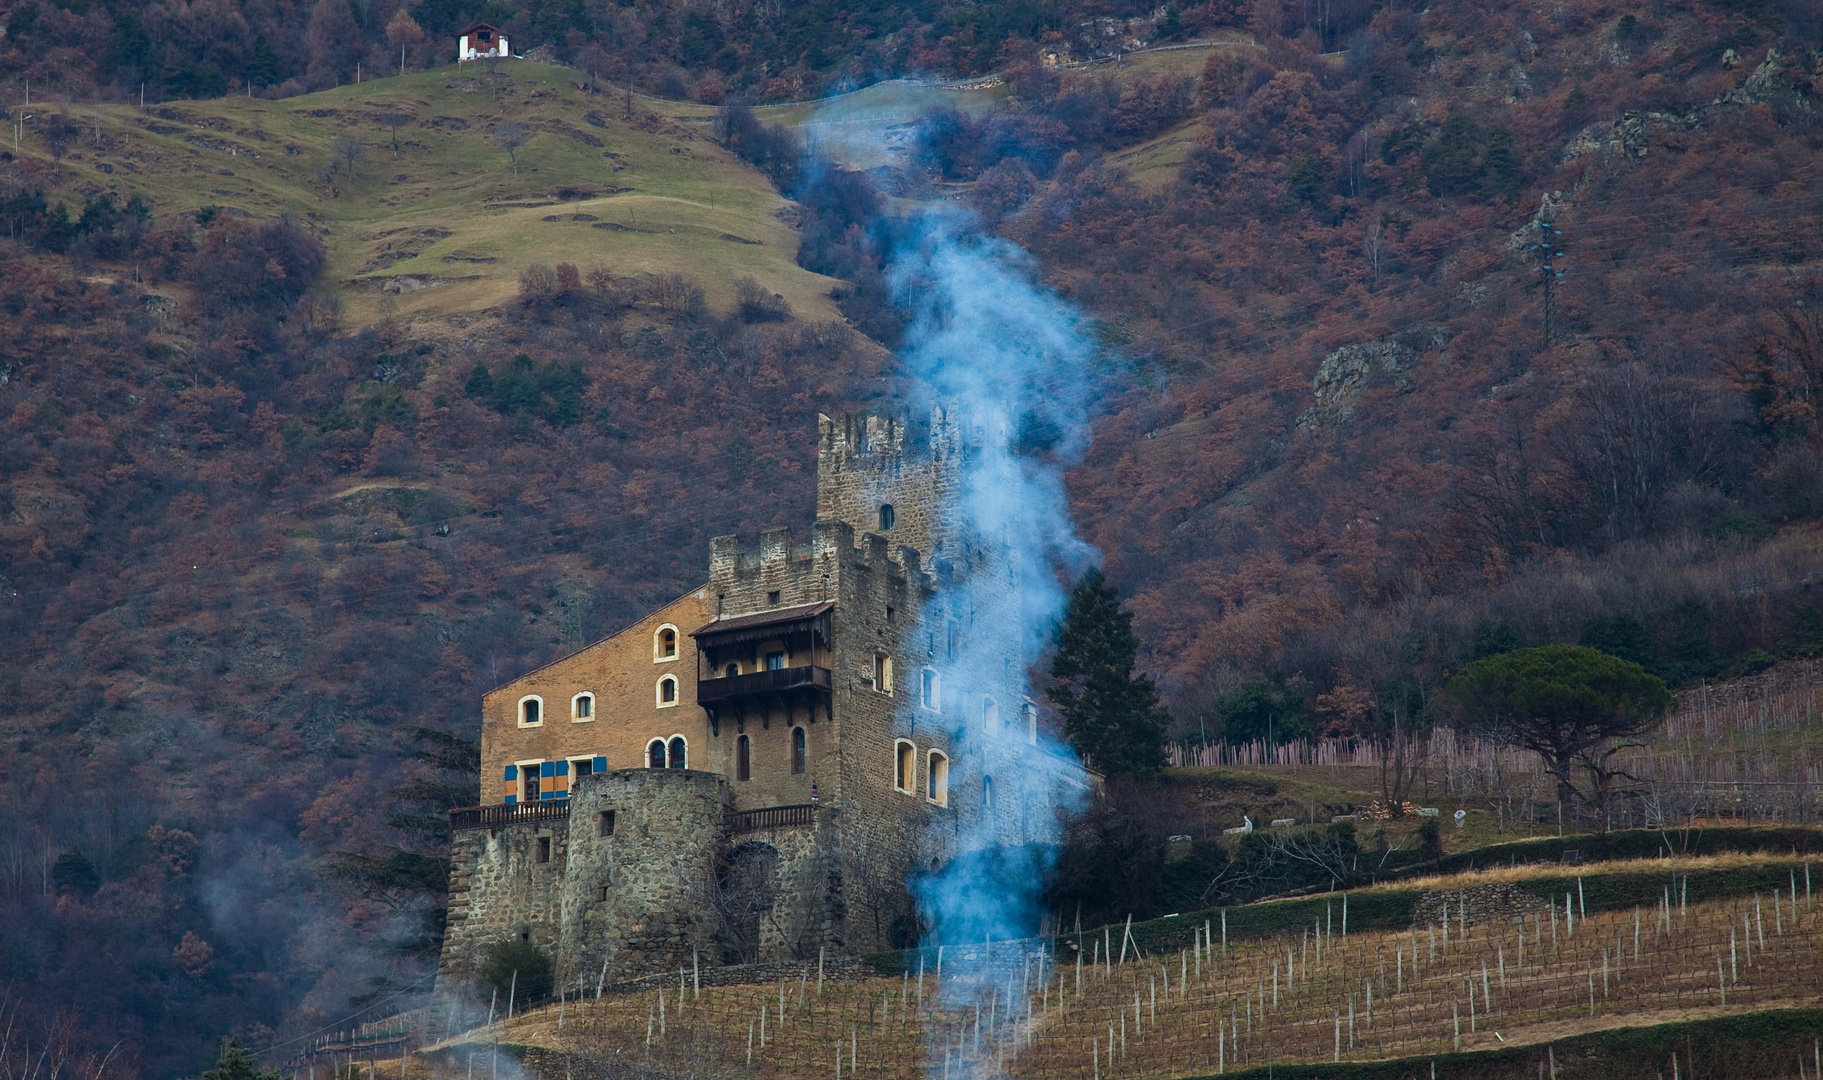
{"x":512,"y":772}
{"x":563,"y":767}
{"x":511,"y":799}
{"x":601,"y":764}
{"x":544,"y":768}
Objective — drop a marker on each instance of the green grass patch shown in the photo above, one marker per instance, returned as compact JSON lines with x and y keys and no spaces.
{"x":1629,"y":844}
{"x":1762,"y":1044}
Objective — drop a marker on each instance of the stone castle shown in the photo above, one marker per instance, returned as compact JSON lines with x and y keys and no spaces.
{"x":754,"y":771}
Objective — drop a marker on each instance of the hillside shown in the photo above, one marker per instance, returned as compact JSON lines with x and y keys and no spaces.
{"x":426,"y":214}
{"x":260,"y":519}
{"x":276,"y":487}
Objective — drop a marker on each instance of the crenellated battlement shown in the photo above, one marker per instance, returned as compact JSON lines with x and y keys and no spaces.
{"x":881,"y":474}
{"x":744,"y":574}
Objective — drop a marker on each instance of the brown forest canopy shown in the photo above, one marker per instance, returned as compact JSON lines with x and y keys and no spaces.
{"x":246,"y":548}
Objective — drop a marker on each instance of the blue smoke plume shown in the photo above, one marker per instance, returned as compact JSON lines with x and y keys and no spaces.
{"x":1009,"y":360}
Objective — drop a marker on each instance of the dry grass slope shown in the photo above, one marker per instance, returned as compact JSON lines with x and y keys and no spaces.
{"x":430,"y":216}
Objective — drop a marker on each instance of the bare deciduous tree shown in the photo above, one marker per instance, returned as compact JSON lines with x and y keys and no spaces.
{"x":511,"y":135}
{"x":349,"y":151}
{"x":876,"y":885}
{"x":1372,"y":244}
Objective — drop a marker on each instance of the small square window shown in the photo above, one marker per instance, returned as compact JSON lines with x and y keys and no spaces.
{"x":544,"y":849}
{"x":601,"y":894}
{"x":773,"y":598}
{"x":605,"y":824}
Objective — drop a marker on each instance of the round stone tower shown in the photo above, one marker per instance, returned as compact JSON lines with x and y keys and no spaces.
{"x":639,"y":891}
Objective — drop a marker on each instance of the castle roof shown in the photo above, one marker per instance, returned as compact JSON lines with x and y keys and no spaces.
{"x":761,"y":624}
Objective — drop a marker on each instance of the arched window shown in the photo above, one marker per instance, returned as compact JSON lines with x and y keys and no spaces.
{"x":582,"y":707}
{"x":930,"y":689}
{"x":905,"y":766}
{"x":667,"y":691}
{"x":883,"y":673}
{"x":743,"y":759}
{"x":987,"y":790}
{"x":531,"y":711}
{"x":799,"y":755}
{"x":664,"y":644}
{"x":655,"y":754}
{"x":937,"y":779}
{"x":887,"y":517}
{"x":1029,"y":713}
{"x":732,"y":670}
{"x":990,"y":715}
{"x":679,"y":757}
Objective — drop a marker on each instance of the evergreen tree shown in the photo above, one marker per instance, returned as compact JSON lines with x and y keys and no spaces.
{"x":1110,"y":715}
{"x":237,"y":1064}
{"x":1566,"y":703}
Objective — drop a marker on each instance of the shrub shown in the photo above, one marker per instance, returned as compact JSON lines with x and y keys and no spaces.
{"x":538,"y":285}
{"x":518,"y":969}
{"x":73,"y":873}
{"x":755,"y":304}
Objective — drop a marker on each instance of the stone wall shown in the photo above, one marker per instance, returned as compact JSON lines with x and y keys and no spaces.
{"x":499,"y":889}
{"x":1495,"y":901}
{"x":639,"y":898}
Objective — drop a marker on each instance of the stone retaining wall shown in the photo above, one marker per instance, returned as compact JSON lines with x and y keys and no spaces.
{"x":1496,"y":900}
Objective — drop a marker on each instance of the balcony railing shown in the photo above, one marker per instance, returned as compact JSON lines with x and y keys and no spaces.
{"x":493,"y":817}
{"x":772,"y":817}
{"x":760,"y":683}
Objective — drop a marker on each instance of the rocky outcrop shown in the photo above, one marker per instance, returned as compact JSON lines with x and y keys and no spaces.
{"x":1344,"y":373}
{"x":1629,"y":136}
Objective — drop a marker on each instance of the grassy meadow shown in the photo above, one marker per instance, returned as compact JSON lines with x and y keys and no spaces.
{"x":430,"y":219}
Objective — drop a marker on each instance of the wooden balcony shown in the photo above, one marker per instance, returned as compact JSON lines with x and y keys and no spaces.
{"x":759,"y":685}
{"x":772,"y":817}
{"x":493,"y":817}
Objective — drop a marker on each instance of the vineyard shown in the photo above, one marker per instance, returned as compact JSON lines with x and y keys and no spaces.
{"x":1321,"y":995}
{"x":1745,"y":751}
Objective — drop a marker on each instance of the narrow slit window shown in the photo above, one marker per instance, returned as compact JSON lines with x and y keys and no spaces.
{"x":883,"y":673}
{"x":743,"y":759}
{"x":544,"y":849}
{"x":799,"y":750}
{"x":990,"y":715}
{"x":605,"y":824}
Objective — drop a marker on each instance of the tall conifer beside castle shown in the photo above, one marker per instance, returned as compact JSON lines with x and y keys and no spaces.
{"x":1110,"y":715}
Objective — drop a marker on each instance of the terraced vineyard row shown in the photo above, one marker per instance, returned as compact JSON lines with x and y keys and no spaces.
{"x":1321,"y":996}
